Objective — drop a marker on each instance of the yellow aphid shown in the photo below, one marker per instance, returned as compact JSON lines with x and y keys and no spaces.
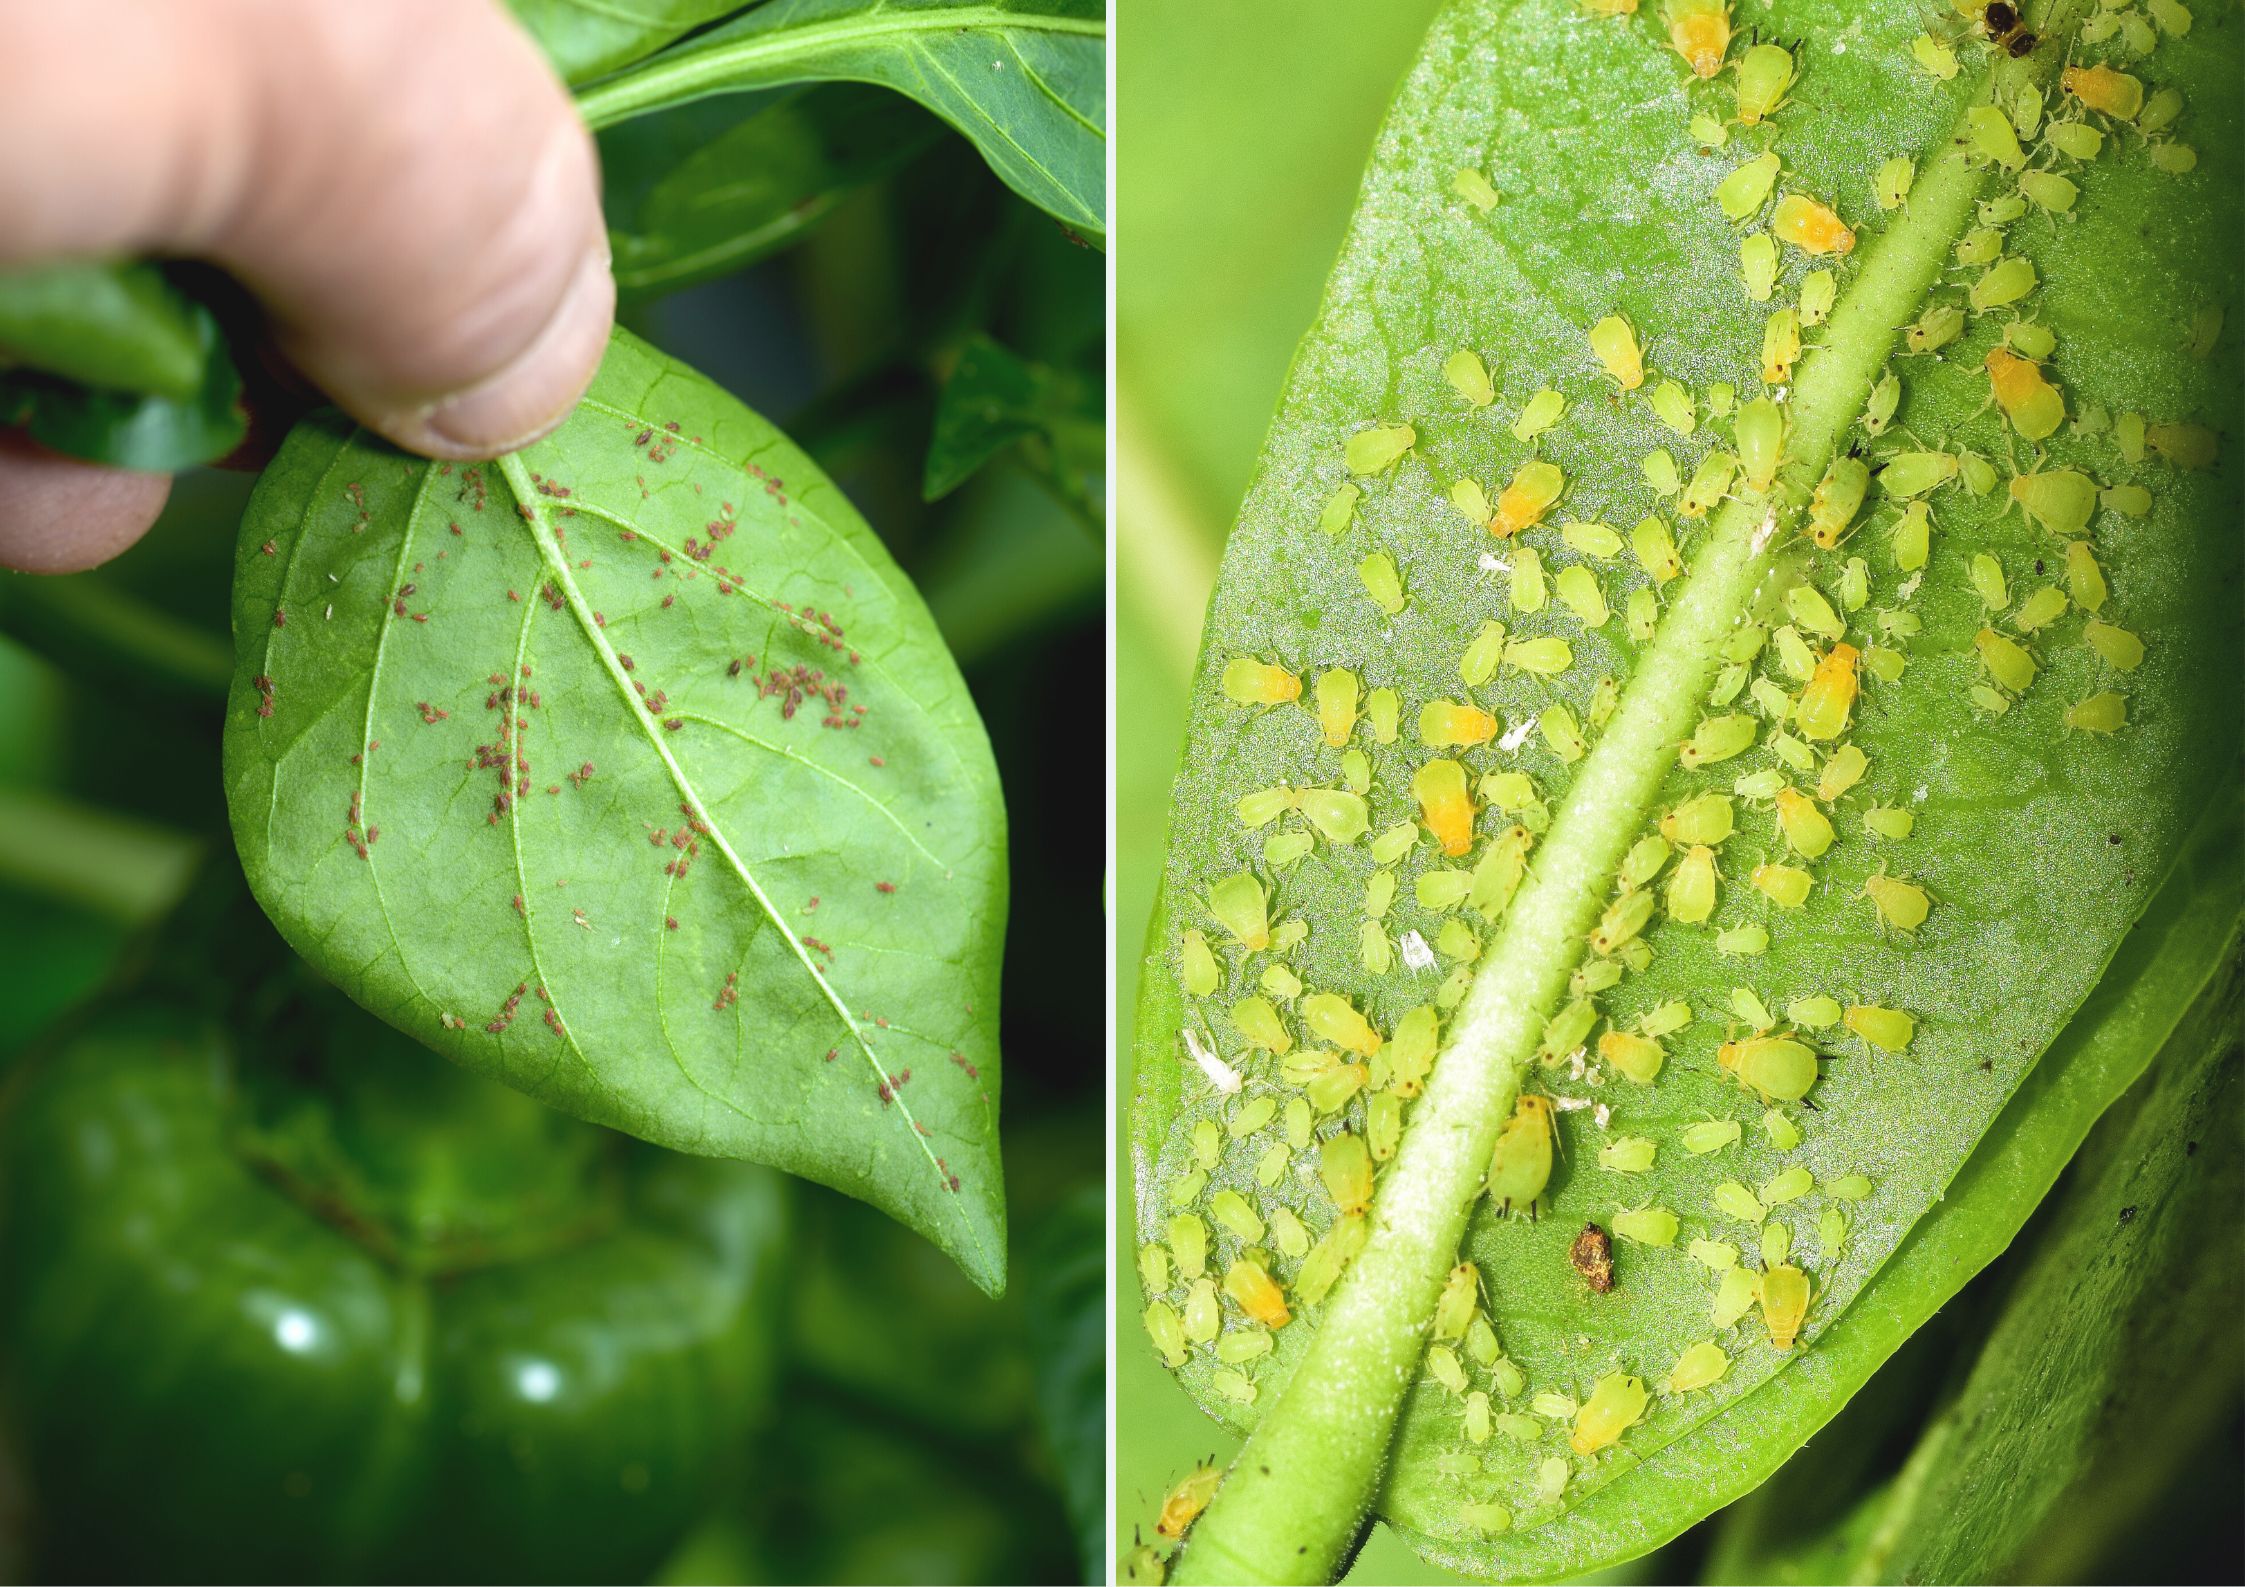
{"x":2034,"y":406}
{"x":1701,"y":1365}
{"x":1638,"y":1057}
{"x":1336,"y":705}
{"x":1805,"y":827}
{"x":1786,"y":886}
{"x":1258,"y":1294}
{"x":1336,"y":1020}
{"x":1535,"y":486}
{"x":1811,"y":227}
{"x":1616,"y":346}
{"x":1700,"y":31}
{"x":1615,"y":1405}
{"x":1830,"y":694}
{"x":1902,"y":905}
{"x":1520,"y":1166}
{"x":1251,"y":682}
{"x":2102,"y":88}
{"x":2006,"y":660}
{"x":1784,"y":1294}
{"x":1777,"y":1068}
{"x":1781,"y":346}
{"x":1446,"y":725}
{"x":1186,"y":1501}
{"x":1445,"y":805}
{"x":1691,"y":886}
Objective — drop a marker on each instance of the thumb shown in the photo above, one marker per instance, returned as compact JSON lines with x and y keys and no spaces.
{"x":405,"y":186}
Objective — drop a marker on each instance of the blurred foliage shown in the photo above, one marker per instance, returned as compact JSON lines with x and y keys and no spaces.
{"x":914,"y":1441}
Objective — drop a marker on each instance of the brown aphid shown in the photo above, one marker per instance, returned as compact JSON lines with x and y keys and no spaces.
{"x":1592,"y":1255}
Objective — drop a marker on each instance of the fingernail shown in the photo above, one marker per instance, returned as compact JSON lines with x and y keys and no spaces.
{"x":539,"y":387}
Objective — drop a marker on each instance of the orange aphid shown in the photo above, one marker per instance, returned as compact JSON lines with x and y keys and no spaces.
{"x":1448,"y":808}
{"x":1522,"y":504}
{"x":1811,"y":227}
{"x":1258,"y":1294}
{"x":1700,"y":31}
{"x":2101,"y":88}
{"x":2034,"y":406}
{"x":1830,"y":694}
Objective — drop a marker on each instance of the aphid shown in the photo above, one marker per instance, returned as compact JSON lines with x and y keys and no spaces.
{"x":1783,"y":1133}
{"x":2130,"y":501}
{"x":1786,"y":886}
{"x":1776,"y":1244}
{"x":1562,"y":735}
{"x":1978,"y":474}
{"x":1831,"y":1231}
{"x":1626,"y":1154}
{"x":1551,"y":1480}
{"x":1321,"y":1269}
{"x":2188,"y":446}
{"x":2172,"y":157}
{"x":1806,"y":605}
{"x":1699,"y":31}
{"x":2104,"y":712}
{"x":1849,"y":1187}
{"x":2085,"y":581}
{"x":1591,"y":539}
{"x":1757,"y":265}
{"x":1914,"y":473}
{"x":1188,"y":1245}
{"x":1339,"y":508}
{"x":1790,"y":1185}
{"x":1334,"y":1019}
{"x":1615,"y":345}
{"x":1734,"y":1295}
{"x":1781,"y":346}
{"x":1793,"y":752}
{"x":1287,"y":848}
{"x":1185,"y":1502}
{"x":1444,"y":1367}
{"x":1810,"y":226}
{"x":1333,"y":1086}
{"x":1654,"y":1226}
{"x":1381,"y":582}
{"x":1936,"y":326}
{"x":1251,"y":682}
{"x":1888,"y":1029}
{"x":1638,"y":1058}
{"x":1579,"y":588}
{"x":1719,"y":1255}
{"x":1204,"y":1317}
{"x":2040,"y":609}
{"x":1820,"y":290}
{"x":1198,"y":964}
{"x":2077,"y":140}
{"x":1666,"y":1019}
{"x":2031,"y":338}
{"x":1167,"y":1331}
{"x":1540,"y":413}
{"x":1691,"y":886}
{"x":1616,"y":1404}
{"x":1547,"y":656}
{"x":1444,"y":724}
{"x":1208,"y":1143}
{"x":1807,"y":829}
{"x":2005,"y":282}
{"x":1461,"y":1295}
{"x":1784,"y":1297}
{"x":1709,"y":481}
{"x":1643,"y":862}
{"x":1778,"y":1068}
{"x":1641,"y":614}
{"x":2006,"y":660}
{"x":1838,"y":496}
{"x":1843,"y":771}
{"x":2034,"y":406}
{"x":1485,"y":1516}
{"x":1241,"y":907}
{"x":1659,"y":469}
{"x":1479,"y":662}
{"x":1672,"y":404}
{"x":1233,"y":1211}
{"x":1979,"y":247}
{"x":1381,"y":709}
{"x":1566,"y":1030}
{"x":1699,"y":1366}
{"x":1748,"y":1006}
{"x":1709,"y":1135}
{"x":1939,"y":61}
{"x":1256,"y":1020}
{"x":1511,"y":1382}
{"x":1153,"y":1268}
{"x":1345,"y":1164}
{"x":1470,"y":376}
{"x":1717,"y":738}
{"x":2048,"y":190}
{"x":2062,"y":500}
{"x":2101,"y":88}
{"x":1992,"y":137}
{"x":1902,"y":905}
{"x":2119,"y":648}
{"x":1527,"y":588}
{"x":1445,"y":805}
{"x":1269,"y":1170}
{"x":1520,"y":1166}
{"x":1655,"y":550}
{"x":1765,"y":73}
{"x":1481,"y":1344}
{"x":1986,"y":574}
{"x":1855,"y":583}
{"x":1336,"y":705}
{"x":1356,"y":771}
{"x":1522,"y":504}
{"x":1376,"y":450}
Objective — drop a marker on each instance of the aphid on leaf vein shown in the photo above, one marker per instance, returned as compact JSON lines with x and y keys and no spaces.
{"x":1185,"y":1502}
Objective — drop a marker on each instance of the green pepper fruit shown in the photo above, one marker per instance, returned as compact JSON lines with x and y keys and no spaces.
{"x":330,"y":1309}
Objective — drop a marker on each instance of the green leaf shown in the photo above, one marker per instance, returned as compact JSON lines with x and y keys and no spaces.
{"x":587,"y":38}
{"x":1026,"y":80}
{"x":114,"y":364}
{"x":630,"y":771}
{"x":712,"y":203}
{"x":1065,"y":1309}
{"x":2038,"y":846}
{"x":996,"y":399}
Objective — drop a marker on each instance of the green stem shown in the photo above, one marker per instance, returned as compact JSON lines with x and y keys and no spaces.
{"x":1297,"y":1493}
{"x":763,"y":58}
{"x":106,"y":864}
{"x":85,"y":623}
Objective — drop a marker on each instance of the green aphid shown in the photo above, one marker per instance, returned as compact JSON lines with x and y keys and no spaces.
{"x":1907,"y":474}
{"x":1238,"y":1346}
{"x":2117,"y":646}
{"x":1911,"y":537}
{"x":1776,"y":1245}
{"x":1666,"y":1019}
{"x":1855,"y":584}
{"x":1258,"y":1022}
{"x":1807,"y":830}
{"x":1935,"y":56}
{"x":1886,"y":396}
{"x":1742,"y":193}
{"x":1820,"y":291}
{"x":1692,"y":886}
{"x":1481,"y":1342}
{"x":1901,"y":624}
{"x":1461,"y":1296}
{"x":1986,"y":697}
{"x":1198,"y":964}
{"x":1474,"y":188}
{"x":1538,"y":414}
{"x":1167,"y":1331}
{"x":1659,"y":469}
{"x":1705,"y":818}
{"x":1624,"y":918}
{"x":1485,"y":1516}
{"x":1710,"y":480}
{"x":1457,"y":941}
{"x":1578,"y":588}
{"x":2040,"y":609}
{"x":1568,"y":1029}
{"x":1204,"y":1314}
{"x":2006,"y":660}
{"x":2062,"y":500}
{"x":2128,"y":434}
{"x":1373,"y":949}
{"x":1729,"y":681}
{"x":2027,"y":109}
{"x":1553,"y":1406}
{"x":1653,"y":1226}
{"x":1734,"y":1200}
{"x":1772,"y":701}
{"x":1188,"y":1245}
{"x":1722,"y":396}
{"x":1562,"y":735}
{"x":1787,"y":886}
{"x":1469,"y":498}
{"x":1335,"y":1086}
{"x":1383,"y":708}
{"x":1759,"y":786}
{"x":1672,"y":404}
{"x":1764,"y":75}
{"x":1709,"y":1135}
{"x":2077,"y":140}
{"x":2160,"y":111}
{"x":1479,"y":662}
{"x":1790,"y":1185}
{"x":1591,"y":539}
{"x":2048,"y":190}
{"x":1759,"y":429}
{"x":1849,"y":1187}
{"x":1806,"y":605}
{"x":1379,"y":889}
{"x":1154,"y":1271}
{"x":1241,"y":907}
{"x":1698,"y":1367}
{"x":1793,"y":752}
{"x":1381,"y":582}
{"x":1644,"y":860}
{"x":1655,"y":549}
{"x":2085,"y":581}
{"x":1340,"y":508}
{"x":1748,"y":1006}
{"x":1717,"y":738}
{"x":1265,"y":805}
{"x":1345,"y":1164}
{"x":1446,"y":1369}
{"x":2005,"y":282}
{"x":1783,"y":1133}
{"x":1376,"y":450}
{"x":1335,"y":1019}
{"x":1986,"y":574}
{"x":2030,"y":338}
{"x":1843,"y":771}
{"x":1383,"y":1125}
{"x":1757,"y":267}
{"x":1257,"y":1112}
{"x":1735,"y":1295}
{"x":1520,"y":1166}
{"x":1936,"y":327}
{"x":1884,"y":663}
{"x":1322,"y":1268}
{"x":1781,"y":346}
{"x":1900,"y":904}
{"x":1978,"y":474}
{"x":1831,"y":1231}
{"x":1393,"y":844}
{"x":1641,"y":614}
{"x":1793,"y":654}
{"x":1337,"y":692}
{"x":1709,"y":132}
{"x":1838,"y":496}
{"x":1777,"y":1068}
{"x":1990,"y":135}
{"x":1510,"y":1381}
{"x":1887,"y":1029}
{"x":1605,"y":698}
{"x":1232,"y":1210}
{"x":1288,"y":935}
{"x":1439,"y":890}
{"x":1891,"y":186}
{"x":1356,"y":771}
{"x":2130,"y":501}
{"x":1718,"y":1256}
{"x":1339,"y":816}
{"x":1627,"y":1154}
{"x":1981,"y":246}
{"x":1186,"y":1188}
{"x":1270,"y":1168}
{"x":1551,"y":1480}
{"x":1470,"y":377}
{"x":1526,"y":588}
{"x":1499,"y":873}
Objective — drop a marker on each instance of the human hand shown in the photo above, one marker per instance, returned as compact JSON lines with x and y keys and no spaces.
{"x":405,"y":187}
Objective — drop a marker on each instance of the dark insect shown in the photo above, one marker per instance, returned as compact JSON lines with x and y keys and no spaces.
{"x":1592,"y":1255}
{"x":2002,"y":24}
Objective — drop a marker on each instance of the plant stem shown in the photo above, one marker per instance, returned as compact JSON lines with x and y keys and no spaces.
{"x":1296,"y":1495}
{"x":87,"y":625}
{"x":106,"y":864}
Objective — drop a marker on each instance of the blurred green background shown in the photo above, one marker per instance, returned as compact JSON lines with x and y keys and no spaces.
{"x":923,"y":1433}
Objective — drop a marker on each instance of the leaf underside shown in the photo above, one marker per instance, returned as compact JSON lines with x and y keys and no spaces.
{"x":630,"y":771}
{"x":2038,"y":846}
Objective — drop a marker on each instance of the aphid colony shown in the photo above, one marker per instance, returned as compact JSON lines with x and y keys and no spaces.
{"x":1449,"y":816}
